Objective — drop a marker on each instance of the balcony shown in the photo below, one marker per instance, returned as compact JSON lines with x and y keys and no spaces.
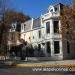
{"x":50,"y":15}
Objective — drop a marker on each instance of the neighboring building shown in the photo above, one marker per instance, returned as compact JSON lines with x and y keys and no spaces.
{"x":14,"y":34}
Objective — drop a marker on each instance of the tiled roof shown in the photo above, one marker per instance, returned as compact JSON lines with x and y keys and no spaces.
{"x":36,"y":23}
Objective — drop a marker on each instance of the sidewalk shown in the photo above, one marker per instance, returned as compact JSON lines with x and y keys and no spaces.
{"x":32,"y":63}
{"x":64,"y":63}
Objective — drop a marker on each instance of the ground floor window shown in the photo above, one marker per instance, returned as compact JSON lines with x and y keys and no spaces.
{"x":39,"y":47}
{"x":56,"y":47}
{"x":48,"y":47}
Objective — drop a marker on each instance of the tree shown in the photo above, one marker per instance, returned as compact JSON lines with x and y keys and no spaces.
{"x":8,"y":16}
{"x":68,"y":24}
{"x":14,"y":16}
{"x":2,"y":25}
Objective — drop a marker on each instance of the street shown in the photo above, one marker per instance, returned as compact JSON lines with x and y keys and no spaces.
{"x":29,"y":68}
{"x":28,"y":71}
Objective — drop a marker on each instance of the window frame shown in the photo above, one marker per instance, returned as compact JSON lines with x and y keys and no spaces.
{"x":55,"y":50}
{"x":39,"y":47}
{"x":68,"y":47}
{"x":24,"y":26}
{"x":48,"y":27}
{"x":39,"y":33}
{"x":56,"y":28}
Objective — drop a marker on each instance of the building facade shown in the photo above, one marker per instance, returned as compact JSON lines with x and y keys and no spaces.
{"x":44,"y":35}
{"x":14,"y":35}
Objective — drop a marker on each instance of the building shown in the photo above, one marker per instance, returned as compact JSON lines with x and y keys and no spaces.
{"x":26,"y":30}
{"x":14,"y":35}
{"x":44,"y":35}
{"x":36,"y":36}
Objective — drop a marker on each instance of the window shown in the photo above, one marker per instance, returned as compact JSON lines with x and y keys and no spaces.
{"x":24,"y":26}
{"x":56,"y":26}
{"x":39,"y":32}
{"x":68,"y":47}
{"x":62,"y":10}
{"x":43,"y":44}
{"x":56,"y":9}
{"x":47,"y":27}
{"x":56,"y":47}
{"x":48,"y":47}
{"x":39,"y":47}
{"x":51,"y":10}
{"x":33,"y":37}
{"x":18,"y":27}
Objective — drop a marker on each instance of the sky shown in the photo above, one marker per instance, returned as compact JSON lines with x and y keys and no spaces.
{"x":34,"y":8}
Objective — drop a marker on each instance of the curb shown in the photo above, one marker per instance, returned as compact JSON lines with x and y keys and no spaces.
{"x":45,"y":65}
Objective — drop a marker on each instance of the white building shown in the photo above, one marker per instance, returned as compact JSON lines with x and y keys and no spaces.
{"x":43,"y":34}
{"x":26,"y":30}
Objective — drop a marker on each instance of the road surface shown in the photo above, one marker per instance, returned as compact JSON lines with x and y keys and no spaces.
{"x":29,"y":71}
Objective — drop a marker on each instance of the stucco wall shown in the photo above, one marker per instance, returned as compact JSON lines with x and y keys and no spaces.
{"x":26,"y":36}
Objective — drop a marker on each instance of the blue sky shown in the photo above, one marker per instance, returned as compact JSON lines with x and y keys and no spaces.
{"x":35,"y":8}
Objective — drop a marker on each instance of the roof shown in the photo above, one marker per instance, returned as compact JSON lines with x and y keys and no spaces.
{"x":36,"y":23}
{"x":28,"y":25}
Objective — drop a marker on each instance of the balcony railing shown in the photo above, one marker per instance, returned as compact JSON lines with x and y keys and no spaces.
{"x":50,"y":15}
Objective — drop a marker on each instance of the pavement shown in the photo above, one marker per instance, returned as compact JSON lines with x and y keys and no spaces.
{"x":63,"y":63}
{"x":27,"y":63}
{"x":50,"y":62}
{"x":26,"y":67}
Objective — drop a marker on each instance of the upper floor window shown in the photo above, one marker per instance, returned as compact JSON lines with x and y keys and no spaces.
{"x":39,"y":47}
{"x":39,"y":32}
{"x":24,"y":26}
{"x":56,"y":26}
{"x":56,"y":9}
{"x":47,"y":27}
{"x":18,"y":27}
{"x":33,"y":37}
{"x":51,"y":10}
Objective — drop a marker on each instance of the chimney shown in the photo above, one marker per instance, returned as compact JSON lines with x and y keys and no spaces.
{"x":73,"y":4}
